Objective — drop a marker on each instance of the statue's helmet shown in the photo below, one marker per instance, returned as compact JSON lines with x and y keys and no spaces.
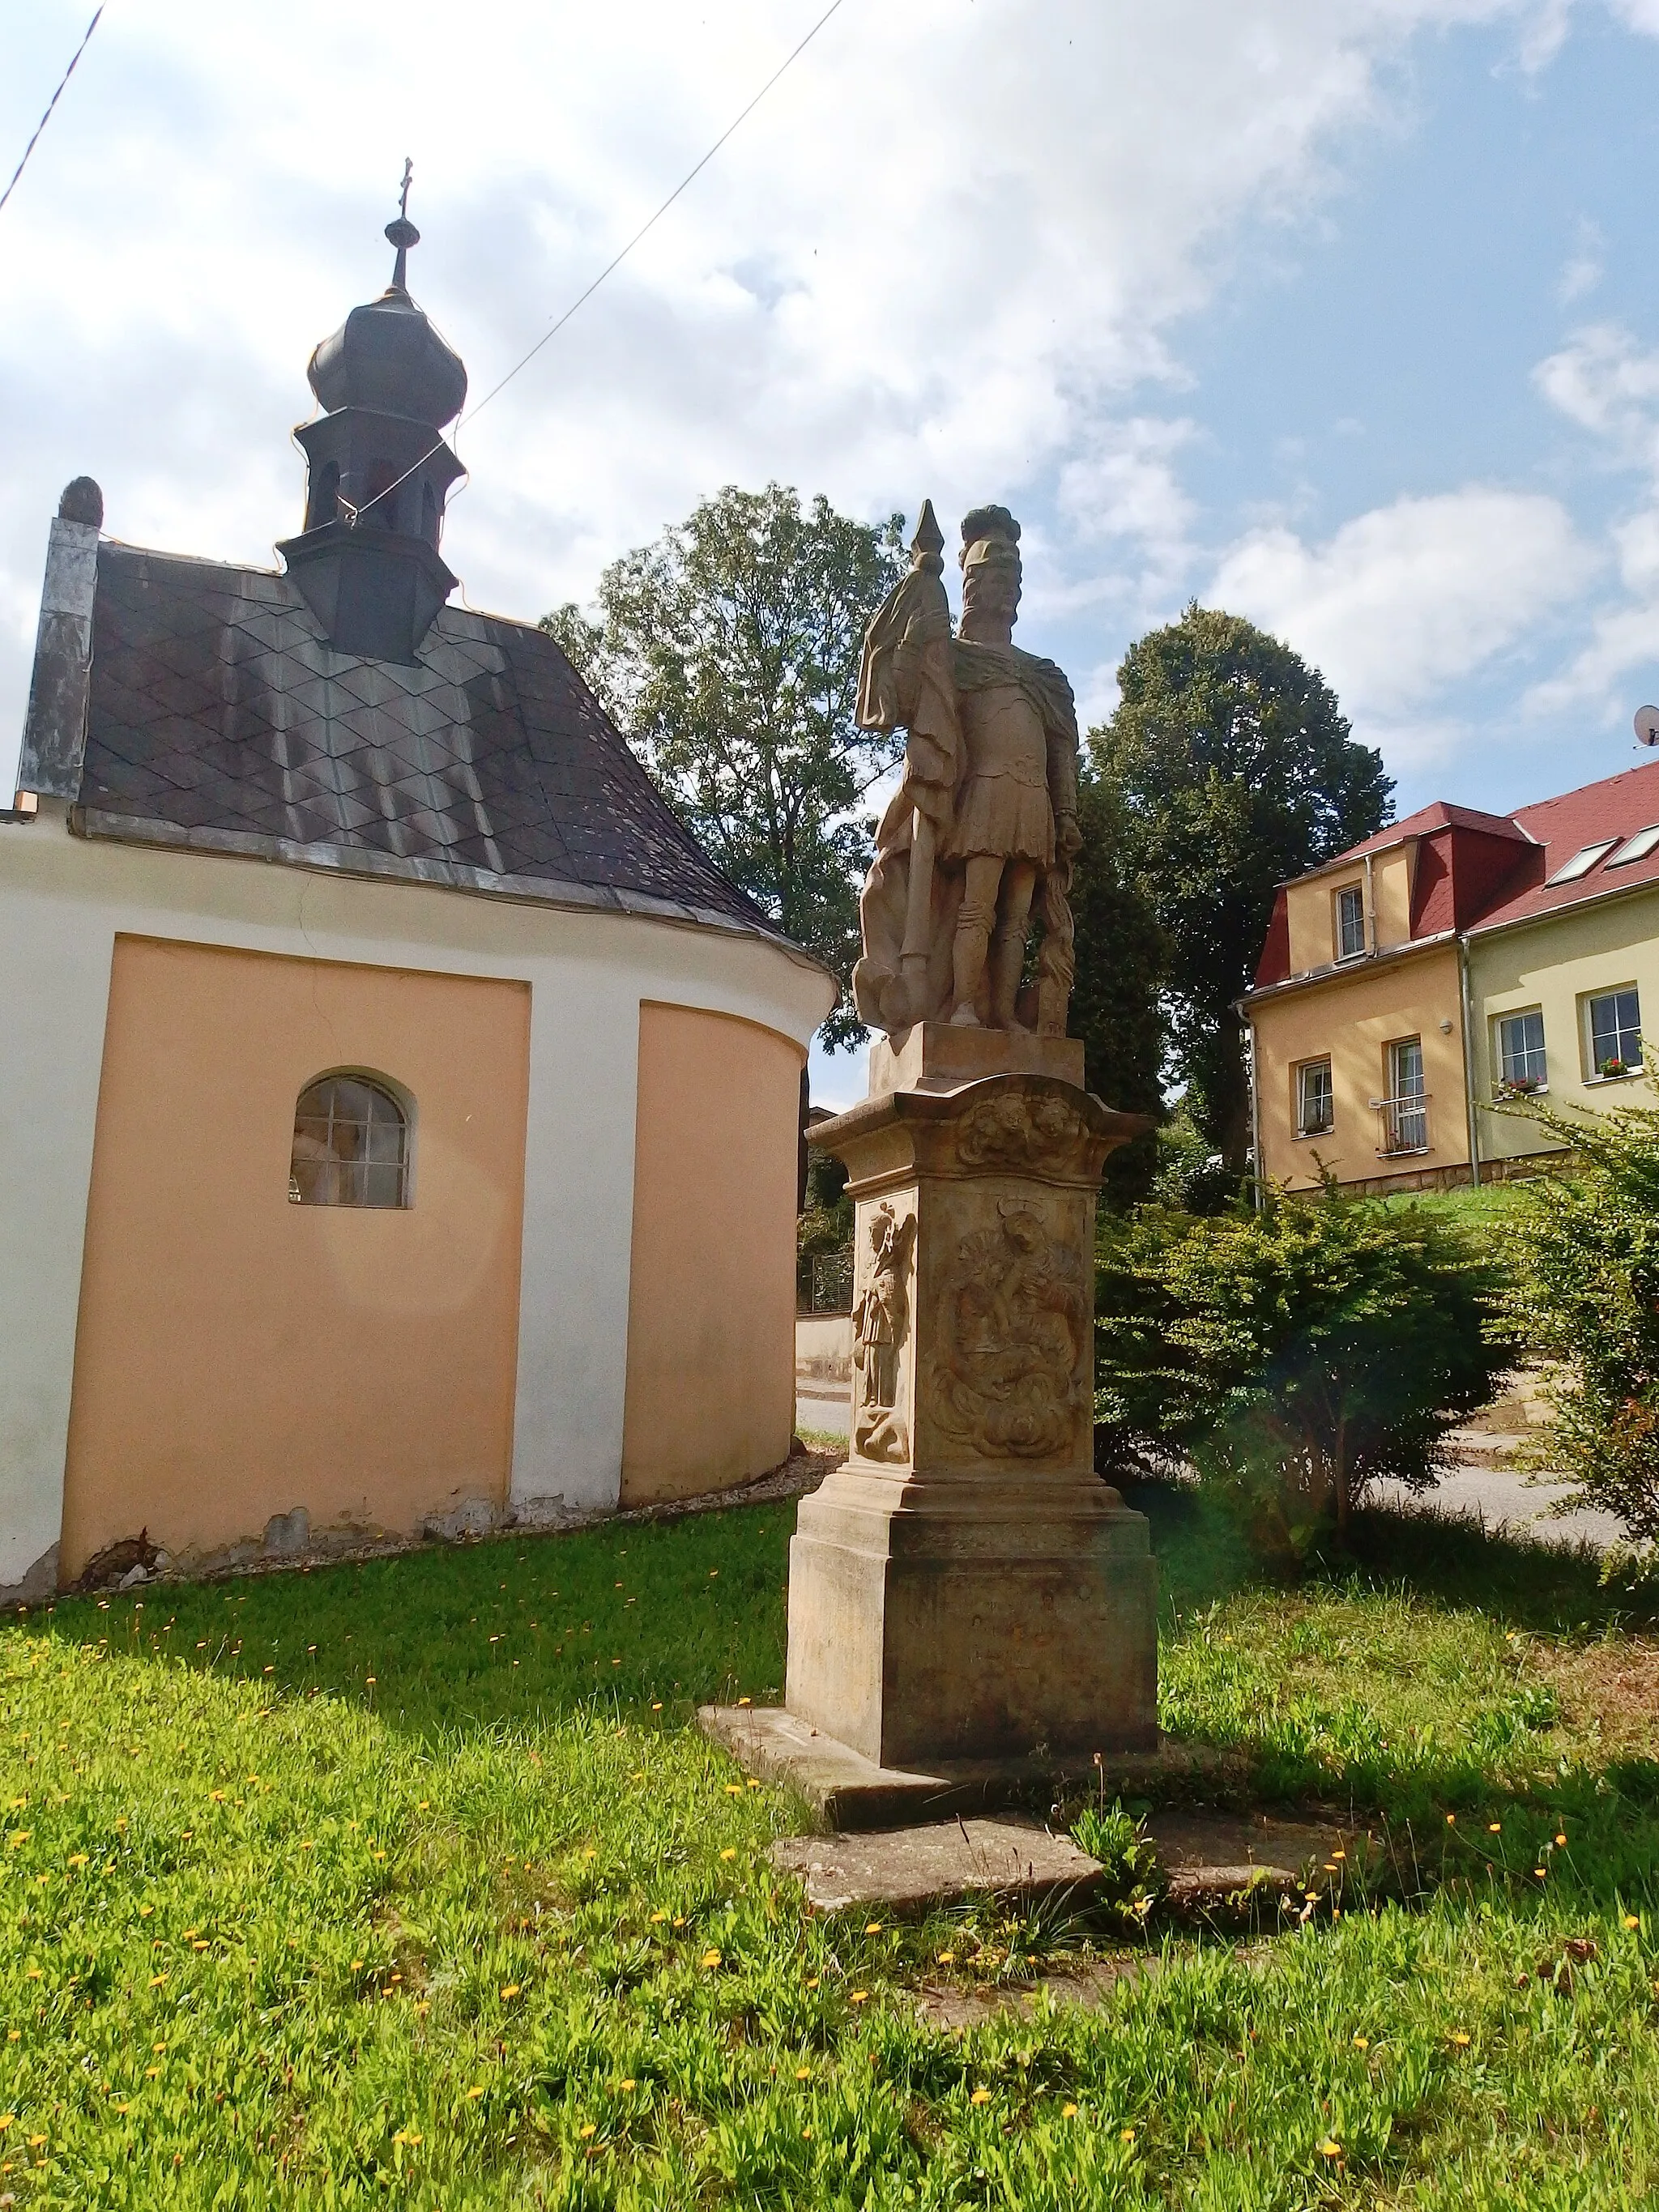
{"x":990,"y":536}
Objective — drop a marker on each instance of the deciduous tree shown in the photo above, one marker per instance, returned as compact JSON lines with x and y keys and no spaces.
{"x":728,"y":653}
{"x":1235,"y":769}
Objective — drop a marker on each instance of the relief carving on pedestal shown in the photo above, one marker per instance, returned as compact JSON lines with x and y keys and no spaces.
{"x":1011,"y":1377}
{"x":881,"y":1324}
{"x":1020,"y":1129}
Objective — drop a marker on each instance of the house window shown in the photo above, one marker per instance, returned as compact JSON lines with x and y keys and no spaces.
{"x":1405,"y":1110}
{"x":1350,"y":922}
{"x":1581,"y":862}
{"x":1315,"y":1103}
{"x":350,"y":1146}
{"x":1521,"y":1063}
{"x":1616,"y":1032}
{"x":1639,"y":848}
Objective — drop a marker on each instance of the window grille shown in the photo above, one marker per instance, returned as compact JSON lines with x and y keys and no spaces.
{"x":350,"y":1146}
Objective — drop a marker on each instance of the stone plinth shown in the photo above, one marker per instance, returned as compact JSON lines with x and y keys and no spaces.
{"x":939,"y":1056}
{"x":965,"y":1587}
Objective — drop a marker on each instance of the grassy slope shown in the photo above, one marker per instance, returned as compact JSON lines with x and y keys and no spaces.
{"x":393,"y":1884}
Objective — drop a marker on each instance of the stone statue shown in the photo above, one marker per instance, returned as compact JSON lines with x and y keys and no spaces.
{"x":983,"y":830}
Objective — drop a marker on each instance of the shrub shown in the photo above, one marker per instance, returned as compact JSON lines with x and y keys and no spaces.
{"x":1294,"y":1354}
{"x":1586,"y":1295}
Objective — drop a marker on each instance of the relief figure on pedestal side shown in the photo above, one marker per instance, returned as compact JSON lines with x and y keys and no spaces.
{"x":1012,"y":1373}
{"x":881,"y":1323}
{"x":980,"y":838}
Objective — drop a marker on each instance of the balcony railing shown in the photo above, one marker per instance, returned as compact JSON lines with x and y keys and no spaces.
{"x":1403,"y":1123}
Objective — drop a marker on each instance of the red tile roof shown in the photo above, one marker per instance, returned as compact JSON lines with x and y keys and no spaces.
{"x":1477,"y":871}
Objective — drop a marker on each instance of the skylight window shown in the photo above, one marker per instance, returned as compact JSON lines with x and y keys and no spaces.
{"x":1639,"y":847}
{"x":1581,"y":862}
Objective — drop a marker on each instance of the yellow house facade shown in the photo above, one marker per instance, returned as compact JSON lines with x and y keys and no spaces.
{"x":1414,"y":992}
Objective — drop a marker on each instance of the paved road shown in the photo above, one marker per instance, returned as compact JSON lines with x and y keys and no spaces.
{"x":1492,"y":1495}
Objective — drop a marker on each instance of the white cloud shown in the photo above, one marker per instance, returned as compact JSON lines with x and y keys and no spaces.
{"x":1584,"y":267}
{"x":1605,"y":383}
{"x":940,"y":257}
{"x":1409,"y":598}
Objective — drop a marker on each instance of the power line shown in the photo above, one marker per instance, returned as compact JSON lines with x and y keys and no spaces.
{"x":52,"y":103}
{"x":616,"y":261}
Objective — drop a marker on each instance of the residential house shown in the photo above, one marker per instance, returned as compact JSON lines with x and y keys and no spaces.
{"x":1417,"y":985}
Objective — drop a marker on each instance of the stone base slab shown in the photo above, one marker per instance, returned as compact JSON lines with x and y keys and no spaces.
{"x":847,"y":1792}
{"x":906,"y":1872}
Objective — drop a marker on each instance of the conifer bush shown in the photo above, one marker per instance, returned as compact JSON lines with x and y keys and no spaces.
{"x":1585,"y":1295}
{"x":1294,"y":1354}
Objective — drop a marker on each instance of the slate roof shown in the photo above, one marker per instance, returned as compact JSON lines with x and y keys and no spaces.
{"x":220,"y":719}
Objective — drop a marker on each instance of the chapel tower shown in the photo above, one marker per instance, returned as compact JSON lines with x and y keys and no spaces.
{"x":379,"y":470}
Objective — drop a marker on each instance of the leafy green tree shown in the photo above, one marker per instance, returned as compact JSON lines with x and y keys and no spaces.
{"x":1586,"y":1294}
{"x":1116,"y":1007}
{"x":1294,"y":1354}
{"x":728,"y":653}
{"x":1235,"y":769}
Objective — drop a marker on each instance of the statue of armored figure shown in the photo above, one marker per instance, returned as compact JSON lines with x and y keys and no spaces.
{"x":980,"y":837}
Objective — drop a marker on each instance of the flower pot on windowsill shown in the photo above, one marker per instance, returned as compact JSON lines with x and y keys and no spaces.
{"x":1611,"y":1070}
{"x":1520,"y":1086}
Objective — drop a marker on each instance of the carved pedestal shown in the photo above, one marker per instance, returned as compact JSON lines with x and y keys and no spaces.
{"x":965,"y":1587}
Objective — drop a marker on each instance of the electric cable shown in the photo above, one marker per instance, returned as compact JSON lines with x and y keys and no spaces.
{"x":52,"y":103}
{"x":616,"y":261}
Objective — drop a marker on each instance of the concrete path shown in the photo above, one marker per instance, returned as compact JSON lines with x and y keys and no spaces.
{"x":825,"y":1407}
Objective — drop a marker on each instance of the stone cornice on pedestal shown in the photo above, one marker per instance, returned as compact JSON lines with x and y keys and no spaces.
{"x":1037,"y":1127}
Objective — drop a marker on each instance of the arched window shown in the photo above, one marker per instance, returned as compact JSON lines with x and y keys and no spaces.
{"x":350,"y":1145}
{"x":325,"y":497}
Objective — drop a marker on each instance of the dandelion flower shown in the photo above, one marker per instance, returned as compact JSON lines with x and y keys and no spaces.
{"x":1362,"y":2043}
{"x":657,"y":1916}
{"x":947,"y":1958}
{"x":981,"y":2096}
{"x":711,"y":1957}
{"x":1460,"y":2040}
{"x":806,"y":2134}
{"x":1561,"y":1840}
{"x":626,"y":2085}
{"x":1631,"y":1920}
{"x":509,"y":1989}
{"x":476,"y":2090}
{"x":803,"y":2072}
{"x":1494,"y":1827}
{"x":1068,"y":2112}
{"x":734,"y":1788}
{"x":811,"y":1981}
{"x":584,"y":2132}
{"x":873,"y":1929}
{"x":1330,"y":2148}
{"x":1127,"y":2136}
{"x":858,"y":1997}
{"x":728,"y":1854}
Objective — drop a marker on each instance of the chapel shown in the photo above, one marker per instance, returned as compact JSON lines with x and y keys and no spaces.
{"x":398,"y":1111}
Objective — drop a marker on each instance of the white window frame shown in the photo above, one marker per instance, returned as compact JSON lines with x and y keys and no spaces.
{"x":1580,"y":863}
{"x":1357,"y":893}
{"x":1303,"y":1069}
{"x":1587,"y":1004}
{"x":1640,"y":845}
{"x":1504,"y":1080}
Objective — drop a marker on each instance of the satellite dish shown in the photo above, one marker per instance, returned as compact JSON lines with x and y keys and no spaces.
{"x":1647,"y":726}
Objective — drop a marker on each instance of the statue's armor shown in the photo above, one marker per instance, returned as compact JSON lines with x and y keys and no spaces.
{"x":1003,"y":807}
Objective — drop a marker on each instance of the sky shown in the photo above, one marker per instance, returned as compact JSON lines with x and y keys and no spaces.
{"x":1338,"y":314}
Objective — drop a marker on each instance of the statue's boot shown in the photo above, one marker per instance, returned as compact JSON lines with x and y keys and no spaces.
{"x":968,"y":951}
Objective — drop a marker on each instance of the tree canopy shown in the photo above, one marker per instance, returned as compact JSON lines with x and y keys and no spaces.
{"x":1122,"y":955}
{"x":728,"y":653}
{"x":1234,"y":768}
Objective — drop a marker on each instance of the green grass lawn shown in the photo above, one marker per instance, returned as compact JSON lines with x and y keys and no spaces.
{"x":410,"y":1883}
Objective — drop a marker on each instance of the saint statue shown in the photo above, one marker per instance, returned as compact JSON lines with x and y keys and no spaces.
{"x":880,"y":1322}
{"x":982,"y":834}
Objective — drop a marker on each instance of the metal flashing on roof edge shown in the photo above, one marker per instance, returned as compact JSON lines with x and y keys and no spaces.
{"x":54,"y":726}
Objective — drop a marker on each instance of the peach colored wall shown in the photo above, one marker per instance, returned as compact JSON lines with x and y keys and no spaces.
{"x":711,"y":1312}
{"x":1352,"y":1017}
{"x":1311,"y":908}
{"x":238,"y":1356}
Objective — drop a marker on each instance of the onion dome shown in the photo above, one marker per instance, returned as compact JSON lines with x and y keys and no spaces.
{"x":387,"y":354}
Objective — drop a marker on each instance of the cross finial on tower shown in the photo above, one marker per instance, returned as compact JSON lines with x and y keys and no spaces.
{"x":402,"y":232}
